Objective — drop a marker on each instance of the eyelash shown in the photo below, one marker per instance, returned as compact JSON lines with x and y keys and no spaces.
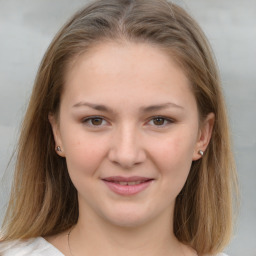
{"x":166,"y":120}
{"x":88,"y":121}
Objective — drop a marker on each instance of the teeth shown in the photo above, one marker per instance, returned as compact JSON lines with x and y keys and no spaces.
{"x":133,"y":183}
{"x":130,"y":183}
{"x":122,"y":183}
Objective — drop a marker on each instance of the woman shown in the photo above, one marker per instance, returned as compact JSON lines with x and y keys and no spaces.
{"x":125,"y":144}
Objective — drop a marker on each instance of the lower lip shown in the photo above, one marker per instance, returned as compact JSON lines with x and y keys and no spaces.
{"x":127,"y":190}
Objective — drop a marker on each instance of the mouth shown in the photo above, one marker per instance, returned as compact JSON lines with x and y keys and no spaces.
{"x":127,"y":185}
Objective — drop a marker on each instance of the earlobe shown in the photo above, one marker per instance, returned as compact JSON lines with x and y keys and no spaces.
{"x":56,"y":134}
{"x":204,"y":136}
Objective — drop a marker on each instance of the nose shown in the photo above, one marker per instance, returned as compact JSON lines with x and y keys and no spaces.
{"x":126,"y":148}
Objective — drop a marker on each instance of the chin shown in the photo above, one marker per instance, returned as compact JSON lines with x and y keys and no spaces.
{"x":128,"y":221}
{"x":129,"y":217}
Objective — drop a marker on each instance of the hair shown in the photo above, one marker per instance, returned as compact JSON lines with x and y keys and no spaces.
{"x":43,"y":199}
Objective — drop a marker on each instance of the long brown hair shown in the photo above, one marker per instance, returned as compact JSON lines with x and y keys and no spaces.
{"x":44,"y":201}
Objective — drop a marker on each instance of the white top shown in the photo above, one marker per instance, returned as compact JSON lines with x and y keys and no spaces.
{"x":32,"y":247}
{"x":35,"y":247}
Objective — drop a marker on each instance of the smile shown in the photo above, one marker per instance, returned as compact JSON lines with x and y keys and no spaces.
{"x":127,"y":185}
{"x":124,"y":183}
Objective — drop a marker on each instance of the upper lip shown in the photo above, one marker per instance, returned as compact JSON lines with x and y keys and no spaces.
{"x":126,"y":179}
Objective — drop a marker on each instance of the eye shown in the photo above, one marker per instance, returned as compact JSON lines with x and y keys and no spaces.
{"x":94,"y":121}
{"x":160,"y":121}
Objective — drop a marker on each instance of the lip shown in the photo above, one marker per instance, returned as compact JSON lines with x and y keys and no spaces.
{"x":127,"y":190}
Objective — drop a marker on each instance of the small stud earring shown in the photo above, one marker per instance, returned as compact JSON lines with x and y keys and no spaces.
{"x":201,"y":152}
{"x":58,"y":149}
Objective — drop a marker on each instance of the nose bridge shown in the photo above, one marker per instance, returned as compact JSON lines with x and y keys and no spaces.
{"x":127,"y":149}
{"x":127,"y":136}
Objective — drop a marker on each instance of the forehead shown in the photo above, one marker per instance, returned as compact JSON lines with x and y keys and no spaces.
{"x":114,"y":56}
{"x":126,"y":70}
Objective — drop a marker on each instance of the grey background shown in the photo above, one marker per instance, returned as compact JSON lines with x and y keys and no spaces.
{"x":27,"y":27}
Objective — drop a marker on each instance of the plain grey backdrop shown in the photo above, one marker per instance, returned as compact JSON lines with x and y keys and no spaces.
{"x":27,"y":27}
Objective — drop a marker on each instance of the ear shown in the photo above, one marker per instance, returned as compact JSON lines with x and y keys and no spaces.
{"x":56,"y":134}
{"x":204,"y":135}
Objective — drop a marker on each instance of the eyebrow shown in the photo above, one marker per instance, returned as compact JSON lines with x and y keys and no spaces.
{"x":104,"y":108}
{"x":160,"y":107}
{"x":93,"y":106}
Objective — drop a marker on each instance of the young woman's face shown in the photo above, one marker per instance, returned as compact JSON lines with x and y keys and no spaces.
{"x":129,"y":130}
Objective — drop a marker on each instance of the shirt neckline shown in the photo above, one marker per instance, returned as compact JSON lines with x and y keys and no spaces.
{"x":49,"y":245}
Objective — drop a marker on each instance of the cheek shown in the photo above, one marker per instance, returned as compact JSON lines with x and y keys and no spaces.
{"x":177,"y":146}
{"x":83,"y":152}
{"x":173,"y":155}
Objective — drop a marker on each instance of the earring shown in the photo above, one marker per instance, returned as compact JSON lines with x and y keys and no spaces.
{"x":58,"y":149}
{"x":201,"y":152}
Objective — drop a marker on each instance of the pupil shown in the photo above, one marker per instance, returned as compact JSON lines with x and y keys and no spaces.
{"x":96,"y":121}
{"x":159,"y":121}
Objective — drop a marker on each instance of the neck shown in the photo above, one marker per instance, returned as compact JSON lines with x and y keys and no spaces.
{"x":95,"y":236}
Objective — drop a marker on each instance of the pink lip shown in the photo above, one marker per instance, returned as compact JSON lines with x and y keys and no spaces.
{"x":127,"y":190}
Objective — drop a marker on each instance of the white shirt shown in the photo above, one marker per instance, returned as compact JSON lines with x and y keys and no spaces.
{"x":34,"y":247}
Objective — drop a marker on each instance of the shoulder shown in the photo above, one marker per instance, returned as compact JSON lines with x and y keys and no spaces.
{"x":31,"y":247}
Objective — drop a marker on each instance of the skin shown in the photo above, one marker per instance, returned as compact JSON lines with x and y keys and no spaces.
{"x":127,"y":140}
